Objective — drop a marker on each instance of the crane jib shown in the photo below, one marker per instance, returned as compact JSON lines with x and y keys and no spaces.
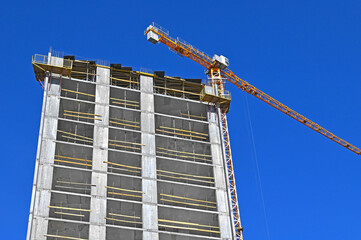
{"x":189,"y":51}
{"x":185,"y":49}
{"x":231,"y":77}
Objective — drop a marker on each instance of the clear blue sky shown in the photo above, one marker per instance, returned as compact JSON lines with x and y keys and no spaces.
{"x":306,"y":54}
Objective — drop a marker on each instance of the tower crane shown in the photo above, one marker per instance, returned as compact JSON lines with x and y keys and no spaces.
{"x":218,"y":72}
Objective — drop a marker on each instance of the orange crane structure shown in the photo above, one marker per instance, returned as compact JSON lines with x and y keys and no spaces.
{"x":218,"y":72}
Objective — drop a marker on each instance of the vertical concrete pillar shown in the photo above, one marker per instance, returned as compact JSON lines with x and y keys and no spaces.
{"x":39,"y":211}
{"x":222,"y":196}
{"x":149,"y":166}
{"x":98,"y":201}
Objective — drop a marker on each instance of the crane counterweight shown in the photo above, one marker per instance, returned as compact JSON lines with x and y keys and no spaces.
{"x":152,"y":36}
{"x":220,"y":61}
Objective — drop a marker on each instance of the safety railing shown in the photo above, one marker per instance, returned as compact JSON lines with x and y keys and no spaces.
{"x":53,"y":61}
{"x":209,"y":90}
{"x":41,"y":59}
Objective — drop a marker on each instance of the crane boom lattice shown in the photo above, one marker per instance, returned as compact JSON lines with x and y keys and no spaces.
{"x":218,"y":71}
{"x":184,"y":49}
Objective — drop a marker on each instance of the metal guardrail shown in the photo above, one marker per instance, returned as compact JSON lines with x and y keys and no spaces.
{"x":227,"y":95}
{"x":53,"y":61}
{"x":67,"y":63}
{"x":181,"y":42}
{"x":212,"y":91}
{"x":40,"y":59}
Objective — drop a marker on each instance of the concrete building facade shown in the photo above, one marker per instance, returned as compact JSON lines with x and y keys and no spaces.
{"x":124,"y":154}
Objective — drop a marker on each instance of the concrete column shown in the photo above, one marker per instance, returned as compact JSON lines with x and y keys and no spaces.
{"x":222,"y":196}
{"x":98,"y":203}
{"x":149,"y":166}
{"x":39,"y":211}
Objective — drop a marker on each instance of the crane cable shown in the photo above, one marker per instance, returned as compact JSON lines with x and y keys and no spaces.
{"x":257,"y":172}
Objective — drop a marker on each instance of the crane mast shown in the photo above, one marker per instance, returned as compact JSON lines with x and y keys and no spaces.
{"x":218,"y":73}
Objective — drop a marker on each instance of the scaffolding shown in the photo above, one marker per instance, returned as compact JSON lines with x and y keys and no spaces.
{"x":42,"y":64}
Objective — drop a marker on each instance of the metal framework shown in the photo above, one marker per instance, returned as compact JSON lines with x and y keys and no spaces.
{"x":185,"y":49}
{"x":231,"y":178}
{"x":217,"y":81}
{"x":217,"y":75}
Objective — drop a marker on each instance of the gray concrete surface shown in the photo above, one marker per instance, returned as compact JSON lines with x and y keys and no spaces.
{"x":186,"y":172}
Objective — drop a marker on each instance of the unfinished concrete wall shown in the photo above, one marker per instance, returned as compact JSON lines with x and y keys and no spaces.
{"x":121,"y":157}
{"x":192,"y":192}
{"x":98,"y":207}
{"x":39,"y":211}
{"x":225,"y":216}
{"x":150,"y":211}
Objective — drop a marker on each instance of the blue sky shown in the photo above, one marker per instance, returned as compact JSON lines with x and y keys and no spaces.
{"x":306,"y":54}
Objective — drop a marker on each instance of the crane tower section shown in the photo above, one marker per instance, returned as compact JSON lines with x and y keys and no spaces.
{"x":215,"y":94}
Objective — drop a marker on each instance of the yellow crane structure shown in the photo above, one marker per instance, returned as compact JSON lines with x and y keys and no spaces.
{"x":218,"y":72}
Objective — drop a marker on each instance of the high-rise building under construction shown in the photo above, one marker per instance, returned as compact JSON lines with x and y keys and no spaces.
{"x":127,"y":154}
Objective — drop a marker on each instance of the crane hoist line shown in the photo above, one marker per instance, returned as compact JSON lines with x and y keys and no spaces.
{"x":217,"y":71}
